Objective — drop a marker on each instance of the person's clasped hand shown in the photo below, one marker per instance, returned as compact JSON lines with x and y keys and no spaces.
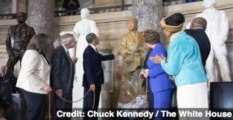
{"x":59,"y":92}
{"x":158,"y":58}
{"x":144,"y":74}
{"x":92,"y":87}
{"x":47,"y":88}
{"x":74,"y":60}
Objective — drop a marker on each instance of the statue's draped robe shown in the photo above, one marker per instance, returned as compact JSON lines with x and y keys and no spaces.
{"x":217,"y":30}
{"x":81,"y":29}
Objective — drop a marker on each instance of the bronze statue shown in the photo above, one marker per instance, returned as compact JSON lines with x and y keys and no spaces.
{"x":131,"y":48}
{"x":71,"y":4}
{"x":17,"y":40}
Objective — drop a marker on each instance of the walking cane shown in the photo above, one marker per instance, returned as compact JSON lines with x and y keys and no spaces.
{"x":49,"y":110}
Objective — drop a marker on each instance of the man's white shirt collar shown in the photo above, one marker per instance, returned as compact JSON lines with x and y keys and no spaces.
{"x":64,"y":47}
{"x":94,"y":47}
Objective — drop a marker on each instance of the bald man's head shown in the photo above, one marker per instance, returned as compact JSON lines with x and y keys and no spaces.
{"x":199,"y":23}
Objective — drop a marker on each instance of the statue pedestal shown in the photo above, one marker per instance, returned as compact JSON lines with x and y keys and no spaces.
{"x":77,"y":93}
{"x":107,"y":87}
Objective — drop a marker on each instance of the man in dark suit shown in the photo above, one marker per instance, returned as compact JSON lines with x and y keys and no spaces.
{"x":197,"y":31}
{"x":93,"y":76}
{"x":62,"y":74}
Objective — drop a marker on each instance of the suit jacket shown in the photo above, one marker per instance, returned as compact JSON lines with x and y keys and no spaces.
{"x":93,"y":72}
{"x":34,"y":72}
{"x":203,"y":42}
{"x":62,"y":70}
{"x":159,"y":79}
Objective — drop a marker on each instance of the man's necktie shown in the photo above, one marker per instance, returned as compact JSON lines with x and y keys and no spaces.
{"x":96,"y":50}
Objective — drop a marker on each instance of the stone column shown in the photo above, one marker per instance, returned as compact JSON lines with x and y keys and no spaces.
{"x":148,"y":13}
{"x":41,"y":17}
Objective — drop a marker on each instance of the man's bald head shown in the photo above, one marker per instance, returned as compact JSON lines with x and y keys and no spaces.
{"x":199,"y":23}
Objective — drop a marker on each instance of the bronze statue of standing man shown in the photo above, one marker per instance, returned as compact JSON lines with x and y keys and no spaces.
{"x":17,"y":40}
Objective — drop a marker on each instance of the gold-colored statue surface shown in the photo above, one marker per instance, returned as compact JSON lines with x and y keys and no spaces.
{"x":131,"y":48}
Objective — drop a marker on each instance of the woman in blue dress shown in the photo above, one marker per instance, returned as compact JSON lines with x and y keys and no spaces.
{"x":160,"y":84}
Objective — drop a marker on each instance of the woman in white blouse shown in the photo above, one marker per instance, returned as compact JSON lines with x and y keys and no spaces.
{"x":34,"y":76}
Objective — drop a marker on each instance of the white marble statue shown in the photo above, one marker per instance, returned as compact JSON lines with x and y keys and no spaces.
{"x":81,"y":29}
{"x":217,"y":31}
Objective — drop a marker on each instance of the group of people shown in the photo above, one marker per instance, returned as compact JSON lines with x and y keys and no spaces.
{"x":182,"y":63}
{"x":189,"y":59}
{"x":39,"y":75}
